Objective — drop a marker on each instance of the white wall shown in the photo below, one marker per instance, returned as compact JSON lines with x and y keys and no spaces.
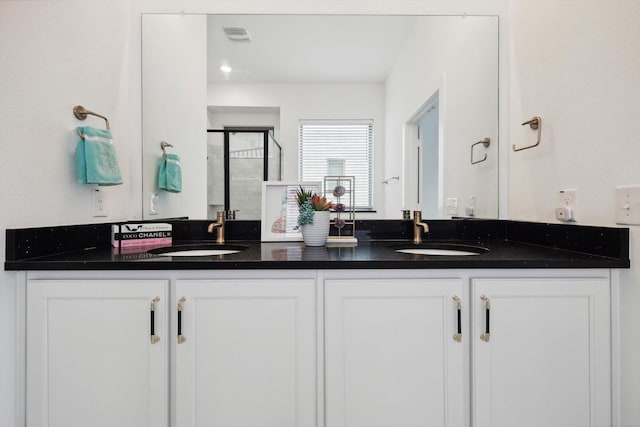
{"x":312,"y":101}
{"x":577,"y":65}
{"x":54,"y":55}
{"x":270,"y":118}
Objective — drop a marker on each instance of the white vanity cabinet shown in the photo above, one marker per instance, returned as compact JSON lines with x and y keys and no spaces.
{"x":395,"y":352}
{"x":535,"y":352}
{"x":542,"y":357}
{"x":90,"y":356}
{"x":245,"y":353}
{"x":323,"y":348}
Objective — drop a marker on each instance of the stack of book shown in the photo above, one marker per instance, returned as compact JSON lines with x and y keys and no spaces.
{"x":137,"y":235}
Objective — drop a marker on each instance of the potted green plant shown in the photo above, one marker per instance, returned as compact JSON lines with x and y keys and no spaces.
{"x":313,"y":217}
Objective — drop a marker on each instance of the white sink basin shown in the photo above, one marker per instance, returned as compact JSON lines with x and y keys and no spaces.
{"x":440,"y":249}
{"x":200,"y":252}
{"x":450,"y":252}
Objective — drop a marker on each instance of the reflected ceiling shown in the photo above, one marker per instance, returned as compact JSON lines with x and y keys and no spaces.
{"x":306,"y":49}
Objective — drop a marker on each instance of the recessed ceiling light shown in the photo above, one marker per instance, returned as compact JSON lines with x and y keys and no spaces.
{"x":225,"y":69}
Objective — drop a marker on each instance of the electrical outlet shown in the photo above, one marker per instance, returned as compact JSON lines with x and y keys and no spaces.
{"x":567,"y":198}
{"x":99,"y":202}
{"x":470,"y":210}
{"x":566,"y":205}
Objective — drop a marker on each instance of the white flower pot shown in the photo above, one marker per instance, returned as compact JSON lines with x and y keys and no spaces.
{"x":316,"y":234}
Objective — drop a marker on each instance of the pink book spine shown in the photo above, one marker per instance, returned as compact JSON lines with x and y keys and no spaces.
{"x":143,"y":242}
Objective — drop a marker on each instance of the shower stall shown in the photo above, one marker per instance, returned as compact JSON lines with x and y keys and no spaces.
{"x":238,"y":161}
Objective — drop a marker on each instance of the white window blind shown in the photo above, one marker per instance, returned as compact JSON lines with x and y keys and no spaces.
{"x":344,"y":146}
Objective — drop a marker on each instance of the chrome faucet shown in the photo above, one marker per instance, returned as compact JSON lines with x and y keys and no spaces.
{"x":418,"y":227}
{"x":219,"y":225}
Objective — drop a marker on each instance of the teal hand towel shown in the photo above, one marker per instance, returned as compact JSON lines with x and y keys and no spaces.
{"x":170,"y":173}
{"x":96,"y":161}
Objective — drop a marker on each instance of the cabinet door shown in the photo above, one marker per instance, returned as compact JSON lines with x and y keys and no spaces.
{"x":90,"y":359}
{"x":546,"y":359}
{"x":391,"y":356}
{"x":247,"y":356}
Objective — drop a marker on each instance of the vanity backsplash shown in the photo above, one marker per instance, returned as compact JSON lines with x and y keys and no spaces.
{"x":508,"y":244}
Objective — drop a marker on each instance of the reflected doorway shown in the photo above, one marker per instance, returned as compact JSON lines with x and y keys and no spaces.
{"x":429,"y":179}
{"x":424,"y":158}
{"x":238,"y":161}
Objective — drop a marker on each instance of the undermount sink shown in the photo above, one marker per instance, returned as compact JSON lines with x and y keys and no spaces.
{"x":198,"y":250}
{"x":440,"y":249}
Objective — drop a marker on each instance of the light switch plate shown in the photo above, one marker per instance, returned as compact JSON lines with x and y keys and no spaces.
{"x":99,"y":202}
{"x":627,"y":208}
{"x":153,"y":204}
{"x":452,"y":206}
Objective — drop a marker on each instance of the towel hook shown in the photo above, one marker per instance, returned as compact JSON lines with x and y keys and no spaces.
{"x":81,"y":114}
{"x":163,"y":146}
{"x":534,"y":123}
{"x":486,"y":142}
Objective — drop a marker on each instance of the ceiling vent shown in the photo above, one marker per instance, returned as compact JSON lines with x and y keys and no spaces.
{"x":237,"y":34}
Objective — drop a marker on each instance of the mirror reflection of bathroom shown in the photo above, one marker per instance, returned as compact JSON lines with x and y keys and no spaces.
{"x":238,"y":160}
{"x":186,"y":90}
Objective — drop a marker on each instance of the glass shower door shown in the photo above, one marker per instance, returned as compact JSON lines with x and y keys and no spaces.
{"x":238,"y":161}
{"x":246,"y":173}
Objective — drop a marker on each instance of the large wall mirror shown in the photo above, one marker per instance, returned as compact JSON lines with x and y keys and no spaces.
{"x":427,"y":84}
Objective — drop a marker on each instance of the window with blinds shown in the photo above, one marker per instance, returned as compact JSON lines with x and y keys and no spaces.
{"x":340,"y":147}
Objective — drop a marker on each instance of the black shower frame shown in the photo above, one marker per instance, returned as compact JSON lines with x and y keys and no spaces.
{"x":265,"y":166}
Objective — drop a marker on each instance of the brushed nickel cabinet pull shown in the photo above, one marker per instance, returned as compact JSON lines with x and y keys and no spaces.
{"x":181,"y":338}
{"x":487,"y":309}
{"x":153,"y":337}
{"x":458,"y":336}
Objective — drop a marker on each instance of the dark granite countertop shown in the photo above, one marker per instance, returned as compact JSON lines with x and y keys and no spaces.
{"x":510,"y":245}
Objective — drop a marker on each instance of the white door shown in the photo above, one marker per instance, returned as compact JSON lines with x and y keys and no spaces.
{"x":90,"y":357}
{"x":392,"y":357}
{"x":247,"y":357}
{"x":542,"y":357}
